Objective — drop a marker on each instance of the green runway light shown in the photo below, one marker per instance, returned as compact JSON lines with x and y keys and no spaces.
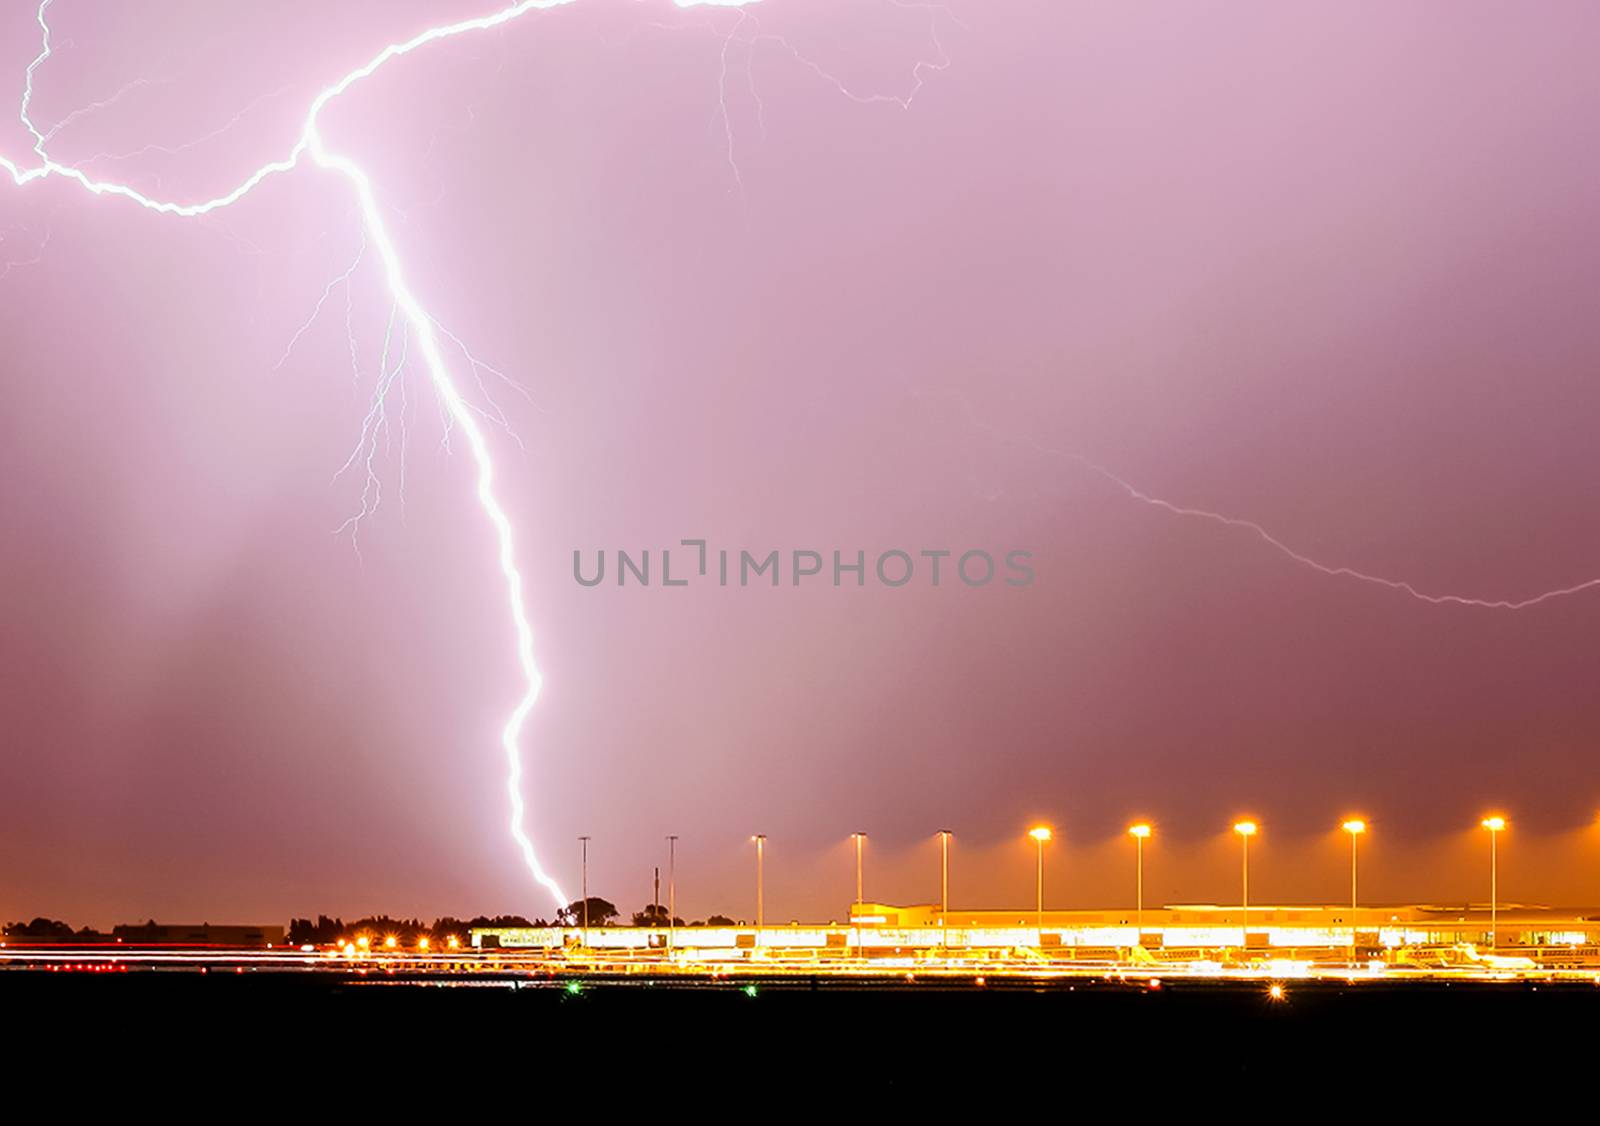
{"x":749,"y":991}
{"x":574,"y":987}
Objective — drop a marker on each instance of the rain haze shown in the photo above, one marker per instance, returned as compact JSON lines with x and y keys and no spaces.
{"x":808,"y":276}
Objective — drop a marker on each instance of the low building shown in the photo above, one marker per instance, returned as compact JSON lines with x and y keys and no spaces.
{"x":196,"y":934}
{"x":878,"y":930}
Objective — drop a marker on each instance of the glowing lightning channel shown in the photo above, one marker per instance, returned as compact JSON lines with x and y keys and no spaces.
{"x":1259,"y":531}
{"x":420,"y":325}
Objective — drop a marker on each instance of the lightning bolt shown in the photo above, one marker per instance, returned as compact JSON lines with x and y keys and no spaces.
{"x":421,"y":330}
{"x":1257,"y":531}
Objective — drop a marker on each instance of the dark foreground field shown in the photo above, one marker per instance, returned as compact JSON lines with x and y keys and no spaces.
{"x":812,"y":1036}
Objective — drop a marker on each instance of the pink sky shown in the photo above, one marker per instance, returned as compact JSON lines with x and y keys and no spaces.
{"x":1328,"y":267}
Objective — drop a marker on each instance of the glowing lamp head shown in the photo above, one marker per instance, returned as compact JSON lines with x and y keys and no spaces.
{"x":1245,"y":828}
{"x":1141,"y":831}
{"x":1040,"y":834}
{"x":1354,"y":825}
{"x":1493,"y":824}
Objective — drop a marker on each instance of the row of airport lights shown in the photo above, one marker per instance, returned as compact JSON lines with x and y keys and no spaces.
{"x":362,"y":945}
{"x":1141,"y":832}
{"x":1040,"y":835}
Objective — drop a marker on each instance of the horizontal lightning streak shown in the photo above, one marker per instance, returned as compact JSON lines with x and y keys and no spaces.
{"x":1261,"y":533}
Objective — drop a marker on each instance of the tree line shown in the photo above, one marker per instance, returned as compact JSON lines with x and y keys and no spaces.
{"x":326,"y":930}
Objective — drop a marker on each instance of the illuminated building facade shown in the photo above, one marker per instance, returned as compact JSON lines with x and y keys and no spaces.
{"x":1185,"y":931}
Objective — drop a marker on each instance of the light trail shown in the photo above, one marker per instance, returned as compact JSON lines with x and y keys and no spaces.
{"x":421,"y":328}
{"x":636,"y":964}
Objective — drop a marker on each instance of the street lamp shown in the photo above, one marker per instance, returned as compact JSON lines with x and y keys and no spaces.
{"x":1494,"y":824}
{"x":1040,"y":834}
{"x":1246,"y":830}
{"x":1140,"y":833}
{"x":1355,"y":827}
{"x":761,"y":856}
{"x":672,"y":890}
{"x":585,"y":843}
{"x":944,"y":872}
{"x":861,"y":840}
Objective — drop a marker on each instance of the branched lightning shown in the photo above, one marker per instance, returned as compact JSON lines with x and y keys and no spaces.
{"x":176,"y":149}
{"x":316,"y":310}
{"x":420,"y":328}
{"x":94,"y":107}
{"x":410,"y":327}
{"x":32,"y":260}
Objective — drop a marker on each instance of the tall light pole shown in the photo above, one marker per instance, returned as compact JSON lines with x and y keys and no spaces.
{"x":944,"y":872}
{"x":861,"y":840}
{"x":1246,"y":830}
{"x":944,"y":886}
{"x":1494,"y":825}
{"x":585,"y":844}
{"x":672,"y":889}
{"x":761,"y":876}
{"x":1140,"y":833}
{"x":1040,"y":834}
{"x":1355,"y":827}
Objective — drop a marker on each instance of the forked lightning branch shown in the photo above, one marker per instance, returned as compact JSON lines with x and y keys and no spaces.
{"x":311,"y":147}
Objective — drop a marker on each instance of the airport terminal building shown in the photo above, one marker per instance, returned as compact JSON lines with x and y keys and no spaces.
{"x":1188,"y":931}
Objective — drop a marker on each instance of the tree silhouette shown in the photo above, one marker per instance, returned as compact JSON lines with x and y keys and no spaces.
{"x":600,"y":912}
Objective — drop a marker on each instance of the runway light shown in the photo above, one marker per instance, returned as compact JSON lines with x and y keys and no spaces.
{"x":749,"y":991}
{"x":1276,"y":992}
{"x":574,"y":987}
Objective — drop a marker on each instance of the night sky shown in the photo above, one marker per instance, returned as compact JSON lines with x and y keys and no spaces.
{"x":1328,"y":267}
